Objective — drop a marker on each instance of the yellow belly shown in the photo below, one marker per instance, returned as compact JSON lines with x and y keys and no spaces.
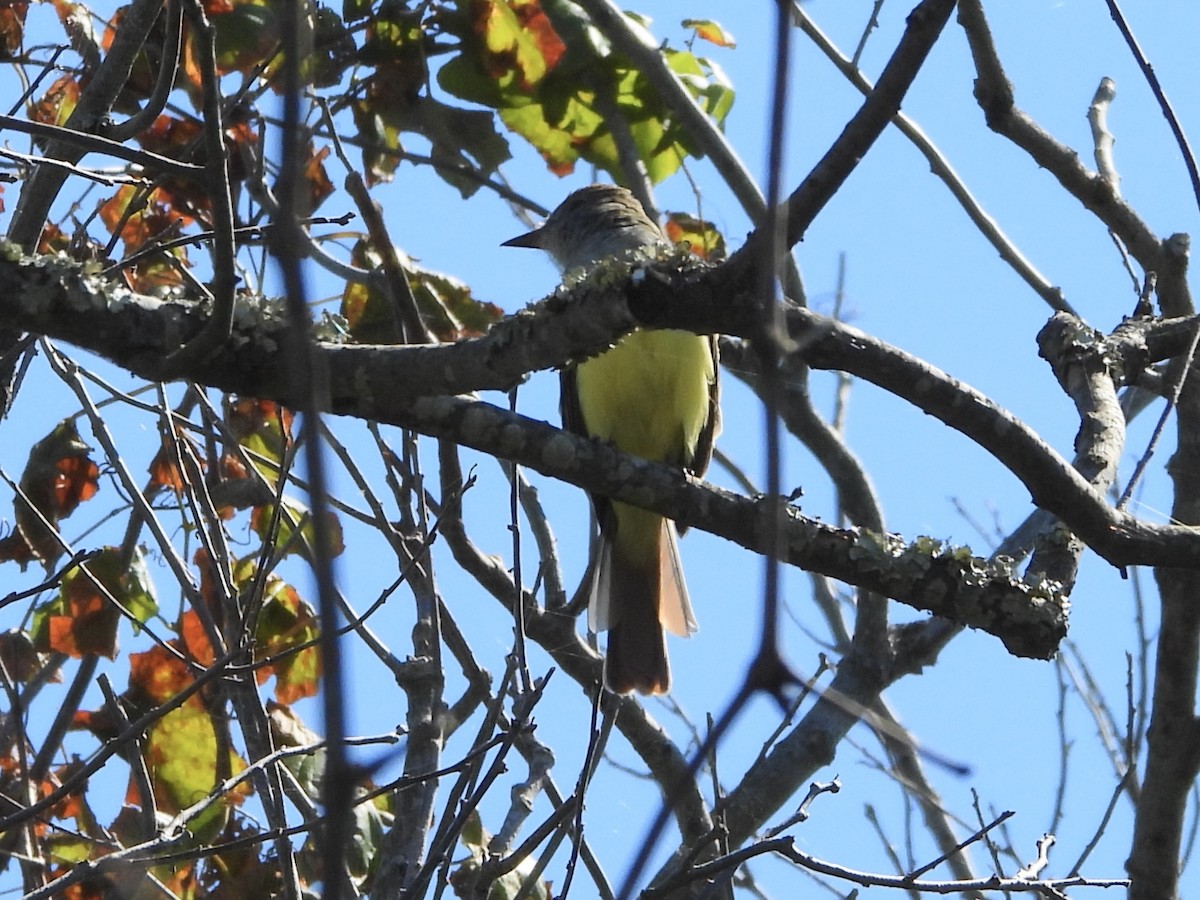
{"x":649,"y":394}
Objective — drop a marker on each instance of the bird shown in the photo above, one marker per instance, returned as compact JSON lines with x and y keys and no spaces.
{"x":654,"y":394}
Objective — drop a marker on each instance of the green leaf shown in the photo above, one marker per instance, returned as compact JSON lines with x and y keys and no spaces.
{"x":700,"y":237}
{"x":464,"y":879}
{"x":81,"y":619}
{"x":463,"y":140}
{"x":708,"y":30}
{"x":263,"y":521}
{"x":181,"y":754}
{"x":462,"y":77}
{"x":288,"y":730}
{"x":520,"y":31}
{"x":381,"y":145}
{"x":510,"y":60}
{"x":287,"y":622}
{"x":446,"y":304}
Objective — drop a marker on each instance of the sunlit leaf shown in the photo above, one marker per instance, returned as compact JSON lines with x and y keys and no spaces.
{"x":194,"y":637}
{"x":57,"y":103}
{"x":317,"y":179}
{"x":135,"y":587}
{"x":144,"y":220}
{"x":287,"y":622}
{"x":557,"y":95}
{"x":139,"y":216}
{"x":560,"y":141}
{"x":710,"y":31}
{"x":263,"y":428}
{"x":181,"y":754}
{"x":157,"y":675}
{"x":66,"y":849}
{"x":520,"y":30}
{"x":81,"y":624}
{"x":509,"y":49}
{"x":700,"y":237}
{"x":281,"y":532}
{"x":82,"y":619}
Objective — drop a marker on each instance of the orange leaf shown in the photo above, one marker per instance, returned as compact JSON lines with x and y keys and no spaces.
{"x":157,"y":676}
{"x":195,"y":638}
{"x":713,"y":32}
{"x":57,"y":478}
{"x":190,"y":626}
{"x":57,"y":103}
{"x":138,"y":216}
{"x":519,"y":37}
{"x":170,"y":136}
{"x":71,"y":806}
{"x":144,"y":220}
{"x":164,"y":468}
{"x":12,"y":27}
{"x":89,"y":625}
{"x":263,"y":427}
{"x":285,"y":623}
{"x":700,"y":237}
{"x":319,"y":185}
{"x":83,"y":618}
{"x":53,"y":239}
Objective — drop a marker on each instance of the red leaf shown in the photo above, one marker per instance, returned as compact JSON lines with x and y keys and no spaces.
{"x":58,"y":477}
{"x":12,"y":27}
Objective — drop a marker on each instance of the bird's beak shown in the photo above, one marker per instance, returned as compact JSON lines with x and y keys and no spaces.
{"x":531,"y":239}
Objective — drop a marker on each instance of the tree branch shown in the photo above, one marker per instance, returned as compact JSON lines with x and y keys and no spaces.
{"x":52,"y":295}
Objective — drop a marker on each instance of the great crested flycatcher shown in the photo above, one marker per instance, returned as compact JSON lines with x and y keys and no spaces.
{"x":655,"y":395}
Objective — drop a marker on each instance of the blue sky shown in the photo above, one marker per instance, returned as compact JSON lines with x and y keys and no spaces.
{"x":917,"y":275}
{"x":920,"y":276}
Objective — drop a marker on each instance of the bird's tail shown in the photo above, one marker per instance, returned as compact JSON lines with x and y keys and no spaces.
{"x":638,"y":593}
